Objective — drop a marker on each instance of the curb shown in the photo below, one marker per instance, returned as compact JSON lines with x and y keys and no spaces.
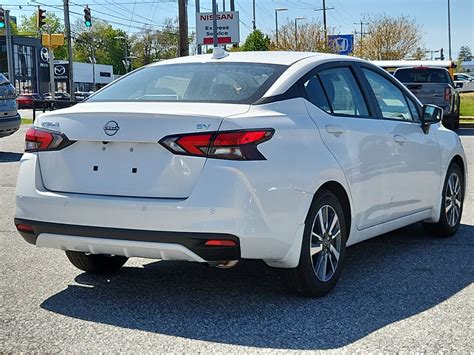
{"x":466,"y":125}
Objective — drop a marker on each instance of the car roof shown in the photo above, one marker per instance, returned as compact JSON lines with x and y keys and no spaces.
{"x":277,"y":57}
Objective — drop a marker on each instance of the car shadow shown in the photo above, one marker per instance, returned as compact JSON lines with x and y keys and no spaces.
{"x":10,"y":157}
{"x":386,"y":279}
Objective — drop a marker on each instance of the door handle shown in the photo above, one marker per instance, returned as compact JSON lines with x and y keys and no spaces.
{"x":399,"y":139}
{"x":335,"y":130}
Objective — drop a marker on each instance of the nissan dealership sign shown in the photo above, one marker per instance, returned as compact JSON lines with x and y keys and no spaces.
{"x":228,"y":30}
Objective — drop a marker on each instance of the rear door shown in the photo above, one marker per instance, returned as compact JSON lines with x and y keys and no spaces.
{"x":359,"y":142}
{"x":116,"y":150}
{"x":416,"y":181}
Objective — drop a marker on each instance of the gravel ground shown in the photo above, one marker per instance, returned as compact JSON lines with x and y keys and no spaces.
{"x":403,"y":291}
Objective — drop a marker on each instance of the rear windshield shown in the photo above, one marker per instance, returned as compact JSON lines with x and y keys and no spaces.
{"x":241,"y":83}
{"x":422,"y":75}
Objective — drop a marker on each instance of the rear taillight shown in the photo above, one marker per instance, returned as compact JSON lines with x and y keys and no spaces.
{"x":38,"y":140}
{"x":234,"y":145}
{"x":447,"y":94}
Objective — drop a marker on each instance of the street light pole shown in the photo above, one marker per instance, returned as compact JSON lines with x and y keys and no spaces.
{"x":449,"y":30}
{"x":296,"y":29}
{"x":276,"y":22}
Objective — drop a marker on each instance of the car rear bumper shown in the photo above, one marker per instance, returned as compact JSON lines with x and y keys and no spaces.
{"x":130,"y":242}
{"x":224,"y":205}
{"x":9,"y":126}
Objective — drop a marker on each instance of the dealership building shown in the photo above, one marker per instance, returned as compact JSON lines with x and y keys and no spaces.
{"x":31,"y":69}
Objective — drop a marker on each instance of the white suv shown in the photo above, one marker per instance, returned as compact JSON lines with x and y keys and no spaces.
{"x":284,"y":157}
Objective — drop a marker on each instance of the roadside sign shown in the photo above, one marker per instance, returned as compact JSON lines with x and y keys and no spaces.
{"x":343,"y":44}
{"x":228,"y":30}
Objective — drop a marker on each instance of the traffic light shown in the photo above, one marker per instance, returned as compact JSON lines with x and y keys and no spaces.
{"x":2,"y":18}
{"x":40,"y":18}
{"x":87,"y":17}
{"x":441,"y":54}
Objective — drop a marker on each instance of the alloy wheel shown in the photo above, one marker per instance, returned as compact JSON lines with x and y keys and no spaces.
{"x":453,"y":200}
{"x":326,"y":243}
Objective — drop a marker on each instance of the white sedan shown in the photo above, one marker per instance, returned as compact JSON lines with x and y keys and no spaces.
{"x":286,"y":157}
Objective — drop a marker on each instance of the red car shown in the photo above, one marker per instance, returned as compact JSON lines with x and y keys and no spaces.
{"x":26,"y":100}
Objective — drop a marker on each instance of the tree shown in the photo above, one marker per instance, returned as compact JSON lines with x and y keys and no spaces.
{"x":257,"y":41}
{"x":419,"y":53}
{"x":28,"y":27}
{"x":103,"y":42}
{"x":388,"y":38}
{"x":14,"y":29}
{"x":151,"y":45}
{"x":310,"y":35}
{"x":465,"y":54}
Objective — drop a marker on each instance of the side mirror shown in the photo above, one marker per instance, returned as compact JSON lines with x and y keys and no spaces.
{"x":459,"y":85}
{"x":431,"y":114}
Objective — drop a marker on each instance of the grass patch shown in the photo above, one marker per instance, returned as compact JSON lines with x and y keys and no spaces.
{"x":26,"y":121}
{"x":467,"y":104}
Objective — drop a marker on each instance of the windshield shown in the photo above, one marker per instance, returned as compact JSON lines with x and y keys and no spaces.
{"x":422,"y":75}
{"x":241,"y":83}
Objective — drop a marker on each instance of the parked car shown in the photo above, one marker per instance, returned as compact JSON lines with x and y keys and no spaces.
{"x":464,"y":82}
{"x":287,"y":158}
{"x":81,"y":95}
{"x":433,"y":85}
{"x":26,"y":100}
{"x":57,"y":96}
{"x":9,"y":118}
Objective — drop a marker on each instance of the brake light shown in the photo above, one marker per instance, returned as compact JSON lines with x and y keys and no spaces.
{"x":37,"y":140}
{"x":233,"y":145}
{"x":447,"y":94}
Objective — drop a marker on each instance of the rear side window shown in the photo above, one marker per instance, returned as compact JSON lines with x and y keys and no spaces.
{"x":242,"y":83}
{"x":343,"y":93}
{"x":423,"y":75}
{"x":316,"y":94}
{"x":391,"y":100}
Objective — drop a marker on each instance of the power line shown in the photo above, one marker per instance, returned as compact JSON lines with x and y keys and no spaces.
{"x":362,"y":33}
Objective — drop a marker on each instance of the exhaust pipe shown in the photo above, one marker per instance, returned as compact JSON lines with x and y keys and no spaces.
{"x":225,"y":264}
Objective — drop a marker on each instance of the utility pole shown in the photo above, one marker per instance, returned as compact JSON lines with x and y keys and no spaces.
{"x":324,"y":9}
{"x":9,"y":44}
{"x":362,"y":33}
{"x":254,"y":24}
{"x":183,"y":28}
{"x":67,"y":30}
{"x":449,"y":30}
{"x":214,"y":23}
{"x":197,"y":4}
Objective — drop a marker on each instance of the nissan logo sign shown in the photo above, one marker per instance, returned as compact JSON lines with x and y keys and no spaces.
{"x":111,"y":128}
{"x":59,"y":70}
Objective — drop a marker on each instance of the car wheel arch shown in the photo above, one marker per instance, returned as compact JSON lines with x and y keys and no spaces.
{"x":342,"y":195}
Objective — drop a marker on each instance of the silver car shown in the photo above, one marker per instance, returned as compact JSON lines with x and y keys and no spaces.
{"x":9,"y":118}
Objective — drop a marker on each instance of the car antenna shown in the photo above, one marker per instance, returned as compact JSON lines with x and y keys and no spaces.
{"x":219,"y":53}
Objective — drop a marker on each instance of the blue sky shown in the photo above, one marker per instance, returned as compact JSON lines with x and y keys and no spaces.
{"x":430,"y":14}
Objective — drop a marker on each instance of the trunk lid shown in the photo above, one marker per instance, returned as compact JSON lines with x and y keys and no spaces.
{"x":117,"y":153}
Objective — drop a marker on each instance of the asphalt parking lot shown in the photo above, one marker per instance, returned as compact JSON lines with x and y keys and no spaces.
{"x":403,"y":291}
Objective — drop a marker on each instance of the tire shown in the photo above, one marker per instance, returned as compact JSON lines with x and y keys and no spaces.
{"x":96,"y":263}
{"x":453,"y":193}
{"x":456,"y":121}
{"x":314,"y":277}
